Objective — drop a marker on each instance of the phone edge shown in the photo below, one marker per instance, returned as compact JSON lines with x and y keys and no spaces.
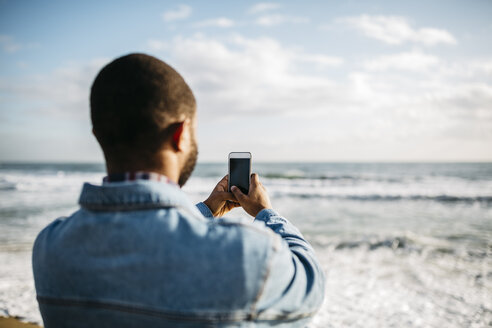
{"x":229,"y":168}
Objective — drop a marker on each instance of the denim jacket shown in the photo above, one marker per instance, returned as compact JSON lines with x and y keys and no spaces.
{"x":140,"y":254}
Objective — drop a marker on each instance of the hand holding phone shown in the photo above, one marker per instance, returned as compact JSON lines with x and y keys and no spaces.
{"x":220,"y":200}
{"x":248,"y":191}
{"x":256,"y":200}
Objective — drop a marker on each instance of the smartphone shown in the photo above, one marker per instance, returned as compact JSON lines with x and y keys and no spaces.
{"x":240,"y":170}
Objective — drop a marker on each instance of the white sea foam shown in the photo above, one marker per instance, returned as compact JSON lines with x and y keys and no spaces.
{"x":386,"y":288}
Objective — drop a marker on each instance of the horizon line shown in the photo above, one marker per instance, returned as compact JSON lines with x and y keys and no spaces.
{"x":381,"y":161}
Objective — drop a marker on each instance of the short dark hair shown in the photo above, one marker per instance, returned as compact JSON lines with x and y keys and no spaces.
{"x":136,"y":102}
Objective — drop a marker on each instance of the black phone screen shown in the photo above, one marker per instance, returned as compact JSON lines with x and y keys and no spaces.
{"x":239,"y":173}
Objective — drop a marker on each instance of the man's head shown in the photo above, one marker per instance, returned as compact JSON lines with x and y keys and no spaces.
{"x":141,"y":108}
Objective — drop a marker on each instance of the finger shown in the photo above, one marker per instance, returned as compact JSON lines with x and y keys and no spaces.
{"x":233,"y":204}
{"x":230,"y":206}
{"x":225,"y":195}
{"x":223,"y":184}
{"x":224,"y":180}
{"x":255,"y":181}
{"x":238,"y":193}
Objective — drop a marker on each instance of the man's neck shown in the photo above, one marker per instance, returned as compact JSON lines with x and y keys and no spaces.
{"x":168,"y":167}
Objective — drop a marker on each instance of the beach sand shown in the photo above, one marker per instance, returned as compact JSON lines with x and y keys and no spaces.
{"x":12,"y":322}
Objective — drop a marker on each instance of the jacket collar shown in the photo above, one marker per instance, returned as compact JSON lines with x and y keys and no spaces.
{"x":135,"y":195}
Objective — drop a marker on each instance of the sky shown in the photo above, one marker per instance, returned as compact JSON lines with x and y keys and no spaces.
{"x":288,"y":81}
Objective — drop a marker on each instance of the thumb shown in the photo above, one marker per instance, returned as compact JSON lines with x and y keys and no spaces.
{"x":255,"y":181}
{"x":238,"y":193}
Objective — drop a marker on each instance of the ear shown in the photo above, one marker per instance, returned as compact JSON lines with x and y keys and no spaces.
{"x":177,"y":138}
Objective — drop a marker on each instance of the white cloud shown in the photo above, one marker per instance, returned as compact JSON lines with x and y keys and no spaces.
{"x":276,"y":19}
{"x":407,"y":61}
{"x":8,"y":45}
{"x":63,"y":93}
{"x":216,"y":22}
{"x":157,"y":45}
{"x":263,"y":7}
{"x":397,"y":30}
{"x":280,"y":98}
{"x":241,"y":78}
{"x":181,"y":12}
{"x":267,"y":18}
{"x":322,"y":60}
{"x":48,"y":115}
{"x":466,"y":102}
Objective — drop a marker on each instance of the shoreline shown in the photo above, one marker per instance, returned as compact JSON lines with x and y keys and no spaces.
{"x":15,"y":322}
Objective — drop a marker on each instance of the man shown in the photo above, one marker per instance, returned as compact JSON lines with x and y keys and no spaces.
{"x":138,"y":254}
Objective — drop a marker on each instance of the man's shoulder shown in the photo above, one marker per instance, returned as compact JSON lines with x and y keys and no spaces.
{"x":246,"y":225}
{"x":251,"y":235}
{"x":49,"y":231}
{"x":167,"y":224}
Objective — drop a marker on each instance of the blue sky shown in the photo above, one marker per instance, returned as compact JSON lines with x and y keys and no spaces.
{"x":290,"y":80}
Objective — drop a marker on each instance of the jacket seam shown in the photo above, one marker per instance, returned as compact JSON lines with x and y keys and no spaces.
{"x":124,"y":207}
{"x":174,"y":315}
{"x":266,"y":275}
{"x":213,"y":317}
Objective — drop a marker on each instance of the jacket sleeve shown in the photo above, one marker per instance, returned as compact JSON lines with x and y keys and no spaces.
{"x":204,"y":210}
{"x":294,"y":281}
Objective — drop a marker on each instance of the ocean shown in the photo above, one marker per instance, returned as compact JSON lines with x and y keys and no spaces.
{"x":402,"y":244}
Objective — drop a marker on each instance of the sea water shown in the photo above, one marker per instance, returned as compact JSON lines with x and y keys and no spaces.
{"x":402,"y":245}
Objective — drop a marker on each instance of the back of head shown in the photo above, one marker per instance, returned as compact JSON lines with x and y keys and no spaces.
{"x":135,"y":102}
